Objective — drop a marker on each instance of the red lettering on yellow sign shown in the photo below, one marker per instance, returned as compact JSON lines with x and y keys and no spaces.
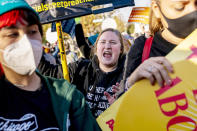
{"x":110,"y":123}
{"x":165,"y":88}
{"x":195,"y":93}
{"x":180,"y":119}
{"x":173,"y":99}
{"x":194,"y":52}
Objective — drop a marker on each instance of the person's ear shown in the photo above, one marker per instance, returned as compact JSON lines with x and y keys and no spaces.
{"x":155,"y":8}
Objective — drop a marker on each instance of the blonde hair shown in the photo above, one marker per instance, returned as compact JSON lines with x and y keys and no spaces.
{"x":155,"y":24}
{"x":117,"y":33}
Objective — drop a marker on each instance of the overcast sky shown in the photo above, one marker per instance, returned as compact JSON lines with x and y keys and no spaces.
{"x":142,"y":3}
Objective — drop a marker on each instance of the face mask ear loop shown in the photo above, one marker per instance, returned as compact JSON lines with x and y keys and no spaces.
{"x":1,"y":50}
{"x":157,"y":2}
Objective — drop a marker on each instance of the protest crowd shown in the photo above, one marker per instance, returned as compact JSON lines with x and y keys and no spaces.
{"x":102,"y":63}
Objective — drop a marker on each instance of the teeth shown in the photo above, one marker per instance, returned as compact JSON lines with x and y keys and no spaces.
{"x":107,"y":52}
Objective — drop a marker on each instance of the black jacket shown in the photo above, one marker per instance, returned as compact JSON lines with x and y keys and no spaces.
{"x":47,"y":69}
{"x":160,"y":47}
{"x":84,"y":73}
{"x":89,"y":79}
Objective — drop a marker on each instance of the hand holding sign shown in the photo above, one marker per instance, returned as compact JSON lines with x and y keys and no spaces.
{"x":153,"y":69}
{"x":168,"y":108}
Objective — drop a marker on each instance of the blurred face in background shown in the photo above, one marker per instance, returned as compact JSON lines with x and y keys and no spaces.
{"x":127,"y":45}
{"x":108,"y":49}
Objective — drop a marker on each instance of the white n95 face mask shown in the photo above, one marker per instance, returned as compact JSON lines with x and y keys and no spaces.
{"x":23,"y":56}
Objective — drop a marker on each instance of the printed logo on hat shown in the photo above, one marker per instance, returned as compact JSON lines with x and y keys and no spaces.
{"x":8,"y":5}
{"x":8,"y":2}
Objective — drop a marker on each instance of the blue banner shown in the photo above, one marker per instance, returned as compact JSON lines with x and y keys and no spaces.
{"x":68,"y":26}
{"x":56,"y":10}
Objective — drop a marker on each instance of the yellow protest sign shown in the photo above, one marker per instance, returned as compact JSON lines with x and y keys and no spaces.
{"x":140,"y":14}
{"x":107,"y":119}
{"x":146,"y":107}
{"x":175,"y":106}
{"x":152,"y":108}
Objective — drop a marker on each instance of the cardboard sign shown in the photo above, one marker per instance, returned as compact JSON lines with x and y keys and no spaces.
{"x":147,"y":107}
{"x":140,"y":15}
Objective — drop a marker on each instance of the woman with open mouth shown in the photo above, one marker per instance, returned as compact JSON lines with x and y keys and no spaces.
{"x":95,"y":78}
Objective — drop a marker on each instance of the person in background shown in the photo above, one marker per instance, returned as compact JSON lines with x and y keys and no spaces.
{"x":30,"y":101}
{"x":83,"y":44}
{"x":49,"y":57}
{"x":47,"y":53}
{"x":127,"y":43}
{"x":136,"y":35}
{"x":96,"y":77}
{"x":147,"y":32}
{"x":92,"y":39}
{"x":71,"y":56}
{"x":46,"y":47}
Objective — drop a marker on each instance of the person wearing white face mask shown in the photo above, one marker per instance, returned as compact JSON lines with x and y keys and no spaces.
{"x":23,"y":56}
{"x":30,"y":101}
